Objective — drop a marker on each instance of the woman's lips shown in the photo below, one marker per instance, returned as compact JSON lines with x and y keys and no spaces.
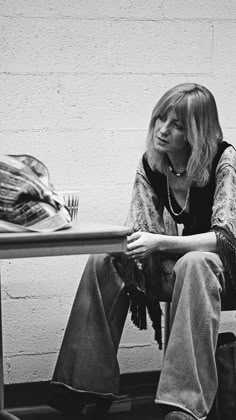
{"x":161,"y":140}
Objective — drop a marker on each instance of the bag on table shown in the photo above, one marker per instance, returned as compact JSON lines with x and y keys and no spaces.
{"x":28,"y":201}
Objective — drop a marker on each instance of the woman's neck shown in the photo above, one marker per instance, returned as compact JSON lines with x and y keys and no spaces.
{"x":178,"y":163}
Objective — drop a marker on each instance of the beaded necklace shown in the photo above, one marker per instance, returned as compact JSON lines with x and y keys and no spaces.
{"x":173,"y":171}
{"x":176,"y":173}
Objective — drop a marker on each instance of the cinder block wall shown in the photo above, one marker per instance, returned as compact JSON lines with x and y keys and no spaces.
{"x":78,"y":82}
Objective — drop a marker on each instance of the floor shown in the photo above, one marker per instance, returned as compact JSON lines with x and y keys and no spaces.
{"x":135,"y":406}
{"x":141,"y":410}
{"x":144,"y":411}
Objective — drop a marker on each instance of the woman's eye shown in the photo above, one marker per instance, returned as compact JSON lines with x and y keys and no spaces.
{"x":178,"y":126}
{"x":162,"y":117}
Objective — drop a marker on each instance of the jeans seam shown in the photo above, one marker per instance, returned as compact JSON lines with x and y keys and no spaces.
{"x":214,"y":287}
{"x":112,"y":309}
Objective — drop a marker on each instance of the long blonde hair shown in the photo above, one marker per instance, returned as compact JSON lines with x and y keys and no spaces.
{"x":196,"y":110}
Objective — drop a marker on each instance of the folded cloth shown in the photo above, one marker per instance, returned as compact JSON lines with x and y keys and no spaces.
{"x":28,"y":200}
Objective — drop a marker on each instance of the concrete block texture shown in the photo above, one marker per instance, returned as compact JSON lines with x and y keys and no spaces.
{"x":104,"y":46}
{"x":200,"y":9}
{"x":74,"y":102}
{"x":85,"y":9}
{"x":78,"y":81}
{"x":224,"y":48}
{"x":24,"y":368}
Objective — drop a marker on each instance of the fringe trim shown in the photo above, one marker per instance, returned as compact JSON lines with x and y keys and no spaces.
{"x":226,"y":248}
{"x":141,"y":299}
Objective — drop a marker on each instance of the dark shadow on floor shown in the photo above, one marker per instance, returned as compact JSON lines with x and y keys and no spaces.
{"x":144,"y":412}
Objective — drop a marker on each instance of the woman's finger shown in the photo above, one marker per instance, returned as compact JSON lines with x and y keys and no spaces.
{"x":134,"y":252}
{"x":133,"y":237}
{"x":133,"y":246}
{"x":134,"y":256}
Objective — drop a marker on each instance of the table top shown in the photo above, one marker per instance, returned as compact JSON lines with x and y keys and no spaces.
{"x":79,"y":239}
{"x":79,"y":231}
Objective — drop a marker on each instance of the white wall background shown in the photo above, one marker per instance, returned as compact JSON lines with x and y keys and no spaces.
{"x":78,"y":81}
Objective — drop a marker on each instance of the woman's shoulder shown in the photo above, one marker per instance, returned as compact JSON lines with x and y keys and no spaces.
{"x":148,"y":170}
{"x":228,"y":157}
{"x":151,"y":176}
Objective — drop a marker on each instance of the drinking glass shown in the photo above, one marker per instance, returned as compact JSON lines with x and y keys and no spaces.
{"x":71,"y":198}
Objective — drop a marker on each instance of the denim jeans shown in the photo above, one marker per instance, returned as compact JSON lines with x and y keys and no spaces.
{"x":189,"y":377}
{"x":87,"y":362}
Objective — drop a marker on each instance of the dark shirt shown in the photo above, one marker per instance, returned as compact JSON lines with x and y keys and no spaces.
{"x":198,"y":219}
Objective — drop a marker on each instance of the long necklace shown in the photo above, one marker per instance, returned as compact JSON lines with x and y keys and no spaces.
{"x":169,"y":199}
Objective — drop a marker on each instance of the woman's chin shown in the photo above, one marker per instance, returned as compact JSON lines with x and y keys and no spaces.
{"x":160,"y":148}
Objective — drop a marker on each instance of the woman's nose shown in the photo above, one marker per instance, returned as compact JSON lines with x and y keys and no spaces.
{"x":164,"y":128}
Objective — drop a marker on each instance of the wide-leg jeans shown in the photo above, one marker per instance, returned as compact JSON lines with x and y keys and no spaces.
{"x":189,"y":377}
{"x":87,"y":361}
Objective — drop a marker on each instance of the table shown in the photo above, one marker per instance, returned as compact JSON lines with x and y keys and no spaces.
{"x":80,"y":239}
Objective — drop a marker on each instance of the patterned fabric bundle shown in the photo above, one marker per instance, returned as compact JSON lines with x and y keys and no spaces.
{"x":28,"y":201}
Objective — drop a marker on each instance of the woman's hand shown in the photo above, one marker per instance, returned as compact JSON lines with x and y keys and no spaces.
{"x":141,"y":244}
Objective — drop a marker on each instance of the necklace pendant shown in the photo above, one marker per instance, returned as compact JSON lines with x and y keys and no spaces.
{"x":173,"y":171}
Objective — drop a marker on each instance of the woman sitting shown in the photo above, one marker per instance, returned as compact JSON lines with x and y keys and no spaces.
{"x":186,"y":176}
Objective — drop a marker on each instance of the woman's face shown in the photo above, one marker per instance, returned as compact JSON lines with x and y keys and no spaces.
{"x":169,"y":135}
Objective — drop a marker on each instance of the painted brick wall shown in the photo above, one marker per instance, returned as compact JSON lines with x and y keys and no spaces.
{"x":78,"y":81}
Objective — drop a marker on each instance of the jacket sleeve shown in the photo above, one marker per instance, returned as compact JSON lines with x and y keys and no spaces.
{"x":147,"y":212}
{"x":224,"y":213}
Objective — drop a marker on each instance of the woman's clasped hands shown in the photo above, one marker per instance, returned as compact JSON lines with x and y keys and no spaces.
{"x":141,"y":244}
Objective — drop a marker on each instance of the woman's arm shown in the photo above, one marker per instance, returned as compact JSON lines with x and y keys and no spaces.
{"x":224,"y":213}
{"x":182,"y":244}
{"x":146,"y":208}
{"x":141,"y":244}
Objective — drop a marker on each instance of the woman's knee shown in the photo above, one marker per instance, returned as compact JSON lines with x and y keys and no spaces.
{"x":199,"y":259}
{"x":197,"y":266}
{"x":98,"y":265}
{"x":100,"y":270}
{"x":198,"y":274}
